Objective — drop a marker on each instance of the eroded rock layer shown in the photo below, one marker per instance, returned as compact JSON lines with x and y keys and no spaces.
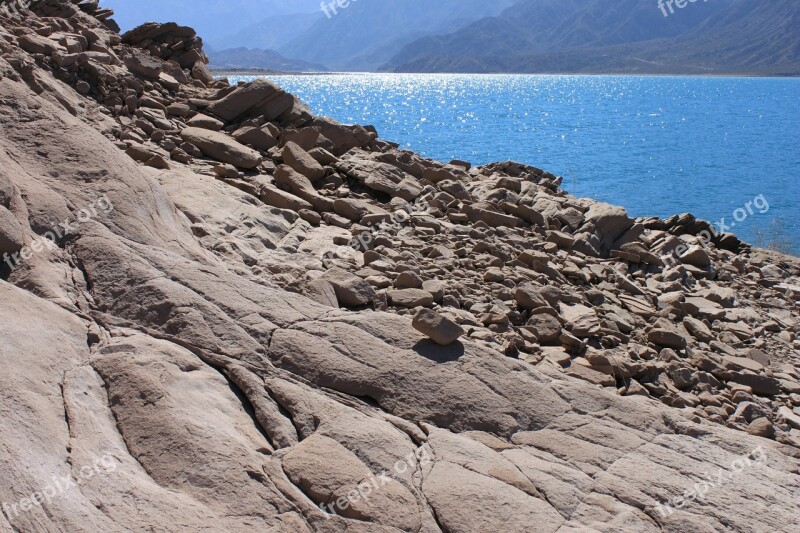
{"x":208,"y":296}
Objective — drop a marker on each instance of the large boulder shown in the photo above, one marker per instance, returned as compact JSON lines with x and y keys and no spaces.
{"x":381,"y":177}
{"x":36,"y":44}
{"x":155,"y":31}
{"x":344,"y":138}
{"x":351,"y":291}
{"x":607,"y":223}
{"x":528,"y":297}
{"x":438,"y":328}
{"x":219,"y":146}
{"x":258,"y":138}
{"x":144,"y":64}
{"x":302,"y":162}
{"x":300,"y":186}
{"x":260,"y":97}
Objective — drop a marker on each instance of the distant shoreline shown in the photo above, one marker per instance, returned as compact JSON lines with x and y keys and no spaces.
{"x":222,"y":73}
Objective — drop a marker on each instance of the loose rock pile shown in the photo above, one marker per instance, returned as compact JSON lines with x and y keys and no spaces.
{"x":497,"y":258}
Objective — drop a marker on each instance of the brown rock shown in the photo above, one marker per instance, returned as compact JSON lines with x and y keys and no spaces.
{"x":667,"y":338}
{"x":299,"y":160}
{"x":258,"y":138}
{"x":351,"y":291}
{"x":439,"y":328}
{"x":410,"y":298}
{"x":219,"y":146}
{"x":762,"y":427}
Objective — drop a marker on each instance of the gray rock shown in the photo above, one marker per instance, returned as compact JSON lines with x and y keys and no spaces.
{"x":299,"y":160}
{"x":410,"y":298}
{"x":438,"y":328}
{"x":351,"y":291}
{"x":667,"y":338}
{"x":219,"y":146}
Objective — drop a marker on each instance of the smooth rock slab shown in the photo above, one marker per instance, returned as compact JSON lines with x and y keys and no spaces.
{"x":465,"y":501}
{"x":763,"y":385}
{"x":546,"y":327}
{"x":410,"y":298}
{"x":243,"y":99}
{"x":219,"y":146}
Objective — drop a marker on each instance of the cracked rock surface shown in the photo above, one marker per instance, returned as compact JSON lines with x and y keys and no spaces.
{"x":228,"y":334}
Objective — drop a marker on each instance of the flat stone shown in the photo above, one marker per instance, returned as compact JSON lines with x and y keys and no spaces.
{"x":581,"y":320}
{"x":762,"y":385}
{"x":219,"y":146}
{"x":667,"y":338}
{"x":410,"y":298}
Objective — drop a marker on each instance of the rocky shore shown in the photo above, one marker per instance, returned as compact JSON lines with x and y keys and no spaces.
{"x":256,"y":311}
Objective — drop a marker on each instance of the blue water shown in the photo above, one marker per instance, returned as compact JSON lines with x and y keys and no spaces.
{"x":655,"y":145}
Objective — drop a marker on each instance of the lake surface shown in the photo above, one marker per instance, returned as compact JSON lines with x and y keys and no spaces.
{"x":655,"y":145}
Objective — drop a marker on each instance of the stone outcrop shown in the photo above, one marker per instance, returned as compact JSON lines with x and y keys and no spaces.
{"x":297,"y":327}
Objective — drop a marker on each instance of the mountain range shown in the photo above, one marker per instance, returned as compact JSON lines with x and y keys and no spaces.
{"x":630,"y":36}
{"x":526,"y":36}
{"x":369,"y":33}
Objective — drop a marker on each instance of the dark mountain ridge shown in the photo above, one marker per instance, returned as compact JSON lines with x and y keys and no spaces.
{"x":629,"y":36}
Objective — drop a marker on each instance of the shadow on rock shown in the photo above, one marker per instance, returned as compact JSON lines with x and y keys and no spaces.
{"x":439,"y":354}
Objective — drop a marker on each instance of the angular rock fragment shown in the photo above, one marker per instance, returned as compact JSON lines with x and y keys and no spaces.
{"x":438,"y":328}
{"x":351,"y":291}
{"x":302,"y":162}
{"x":219,"y":146}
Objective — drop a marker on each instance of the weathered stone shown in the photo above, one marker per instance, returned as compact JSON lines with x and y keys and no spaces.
{"x":299,"y":160}
{"x":258,"y":138}
{"x":239,"y":102}
{"x":760,"y":384}
{"x":205,"y":122}
{"x":219,"y":146}
{"x":528,"y":297}
{"x":351,"y":291}
{"x":546,"y":327}
{"x":438,"y":328}
{"x":410,"y":298}
{"x":668,"y":338}
{"x":581,"y":320}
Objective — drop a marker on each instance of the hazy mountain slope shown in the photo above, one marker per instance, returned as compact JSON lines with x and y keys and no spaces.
{"x":535,"y":26}
{"x":729,"y":36}
{"x":367,"y":34}
{"x":270,"y":33}
{"x":519,"y":27}
{"x":247,"y":58}
{"x":752,"y":34}
{"x":610,"y":22}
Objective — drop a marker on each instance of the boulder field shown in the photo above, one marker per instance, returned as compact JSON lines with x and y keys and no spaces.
{"x":223,"y":313}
